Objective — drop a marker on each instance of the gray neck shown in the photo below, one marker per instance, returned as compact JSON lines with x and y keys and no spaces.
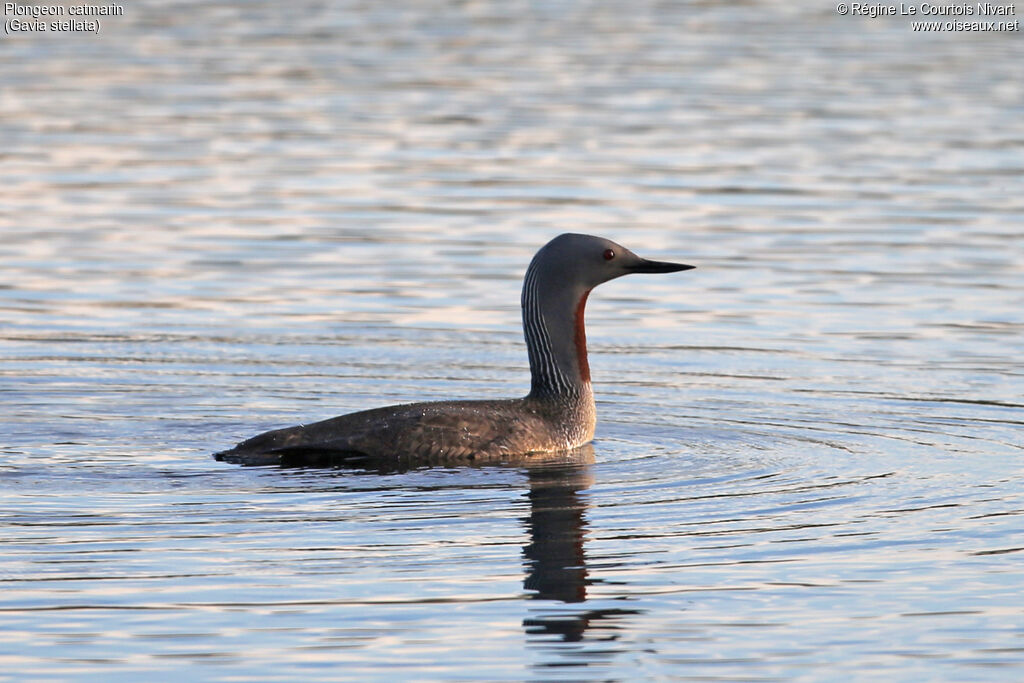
{"x":555,"y":339}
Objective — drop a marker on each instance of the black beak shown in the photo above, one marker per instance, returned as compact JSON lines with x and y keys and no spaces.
{"x":645,"y":266}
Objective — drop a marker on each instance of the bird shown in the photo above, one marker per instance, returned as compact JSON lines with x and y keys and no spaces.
{"x":558,"y":414}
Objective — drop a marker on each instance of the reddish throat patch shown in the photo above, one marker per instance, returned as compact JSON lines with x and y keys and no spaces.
{"x":580,"y":337}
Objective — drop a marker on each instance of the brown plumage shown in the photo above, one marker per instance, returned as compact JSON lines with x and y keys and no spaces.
{"x":419,"y":433}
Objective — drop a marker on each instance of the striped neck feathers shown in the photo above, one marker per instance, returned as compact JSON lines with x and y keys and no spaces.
{"x":556,"y":340}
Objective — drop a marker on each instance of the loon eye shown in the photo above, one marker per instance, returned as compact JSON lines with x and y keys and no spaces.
{"x":609,"y":254}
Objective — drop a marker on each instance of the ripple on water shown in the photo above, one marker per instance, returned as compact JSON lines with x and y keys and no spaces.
{"x":220,"y":221}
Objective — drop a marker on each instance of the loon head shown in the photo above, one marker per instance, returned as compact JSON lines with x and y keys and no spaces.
{"x":585,"y":261}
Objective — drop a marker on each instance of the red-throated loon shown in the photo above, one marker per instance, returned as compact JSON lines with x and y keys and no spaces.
{"x":557,"y":415}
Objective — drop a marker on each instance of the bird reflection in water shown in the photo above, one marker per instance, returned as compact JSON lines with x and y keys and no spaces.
{"x":555,"y":557}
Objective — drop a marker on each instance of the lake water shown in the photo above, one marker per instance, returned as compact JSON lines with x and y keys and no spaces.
{"x":220,"y":218}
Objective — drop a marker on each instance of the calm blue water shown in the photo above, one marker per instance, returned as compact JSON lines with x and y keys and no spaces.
{"x":220,"y":218}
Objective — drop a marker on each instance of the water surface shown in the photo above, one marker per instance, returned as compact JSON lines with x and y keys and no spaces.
{"x":223,"y":218}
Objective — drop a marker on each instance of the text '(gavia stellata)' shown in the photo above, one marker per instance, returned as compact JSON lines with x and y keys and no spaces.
{"x":557,"y":415}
